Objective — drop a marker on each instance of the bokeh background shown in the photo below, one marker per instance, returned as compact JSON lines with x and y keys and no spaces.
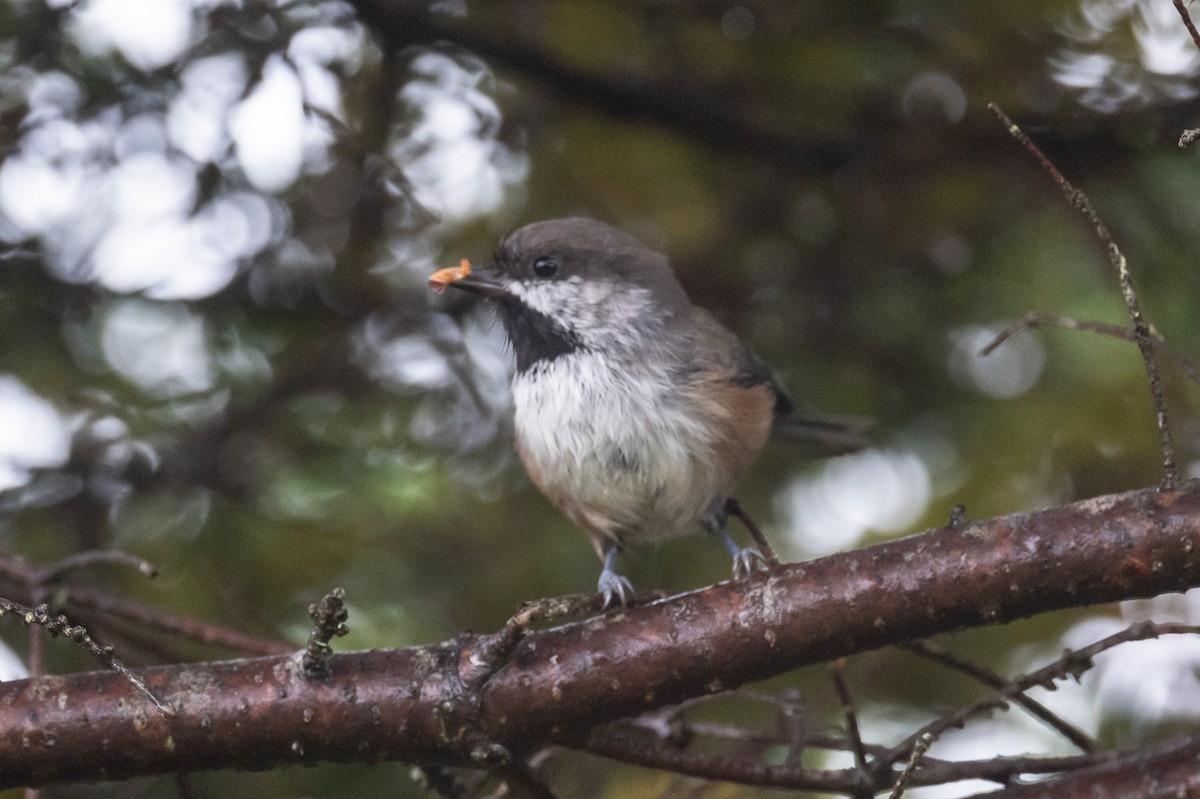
{"x":218,"y":352}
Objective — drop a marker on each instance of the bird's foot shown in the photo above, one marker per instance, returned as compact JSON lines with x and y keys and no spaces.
{"x":615,"y":588}
{"x":746,"y":561}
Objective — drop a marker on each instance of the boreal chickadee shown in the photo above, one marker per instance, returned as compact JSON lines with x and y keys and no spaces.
{"x":636,"y":412}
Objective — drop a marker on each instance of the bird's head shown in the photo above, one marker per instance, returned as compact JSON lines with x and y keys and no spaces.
{"x":568,"y":284}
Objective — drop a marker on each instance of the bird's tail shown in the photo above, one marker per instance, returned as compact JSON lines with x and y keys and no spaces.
{"x":823,"y":435}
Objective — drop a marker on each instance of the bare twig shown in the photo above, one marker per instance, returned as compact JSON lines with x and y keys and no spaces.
{"x":1187,"y":21}
{"x":24,"y":583}
{"x":60,"y":626}
{"x":55,"y":571}
{"x":482,"y":661}
{"x":612,"y":743}
{"x":995,"y":681}
{"x":837,"y":671}
{"x":1081,"y":203}
{"x":1072,"y":664}
{"x":685,"y":730}
{"x":191,"y":628}
{"x":918,"y":751}
{"x":1034,"y":319}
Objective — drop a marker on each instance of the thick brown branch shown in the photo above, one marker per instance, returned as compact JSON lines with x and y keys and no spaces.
{"x":554,"y":685}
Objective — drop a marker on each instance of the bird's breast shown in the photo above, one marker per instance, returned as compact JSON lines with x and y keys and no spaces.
{"x":614,"y":447}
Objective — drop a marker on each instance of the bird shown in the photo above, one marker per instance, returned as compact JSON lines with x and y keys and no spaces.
{"x":636,"y":412}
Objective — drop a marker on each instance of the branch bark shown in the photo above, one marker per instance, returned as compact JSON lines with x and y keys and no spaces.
{"x":439,"y":704}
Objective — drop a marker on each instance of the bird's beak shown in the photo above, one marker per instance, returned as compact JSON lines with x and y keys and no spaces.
{"x":485,"y":280}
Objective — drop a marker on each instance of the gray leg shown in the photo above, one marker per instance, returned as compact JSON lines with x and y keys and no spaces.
{"x":613,"y":587}
{"x":746,"y":560}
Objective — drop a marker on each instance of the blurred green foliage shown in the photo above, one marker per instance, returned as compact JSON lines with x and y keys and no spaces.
{"x":890,"y":213}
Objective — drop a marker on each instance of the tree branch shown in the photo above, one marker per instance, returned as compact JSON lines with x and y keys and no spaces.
{"x":1141,"y":330}
{"x":1162,"y":771}
{"x":695,"y":111}
{"x":414,"y":704}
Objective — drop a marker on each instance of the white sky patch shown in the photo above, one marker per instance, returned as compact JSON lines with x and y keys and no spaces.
{"x":196,"y":118}
{"x":450,"y":154}
{"x":160,"y":347}
{"x":1166,"y":61}
{"x":52,"y":95}
{"x":267,"y":128}
{"x":410,"y":362}
{"x":1144,"y":683}
{"x":36,"y":195}
{"x":111,"y":206}
{"x":1164,"y":45}
{"x":1008,"y":371}
{"x":149,"y":33}
{"x":312,"y":50}
{"x":874,"y":490}
{"x":154,"y":244}
{"x":11,"y":666}
{"x":34,"y":434}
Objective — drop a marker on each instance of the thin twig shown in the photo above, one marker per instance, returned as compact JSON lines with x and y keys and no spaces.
{"x":1081,"y":203}
{"x":995,"y":681}
{"x":109,"y":607}
{"x":60,"y":626}
{"x":1072,"y":664}
{"x":793,"y":720}
{"x":688,"y":730}
{"x":480,"y":663}
{"x":837,"y":670}
{"x":616,"y":744}
{"x":55,"y":571}
{"x":918,"y":751}
{"x":1187,"y":21}
{"x":1034,"y":319}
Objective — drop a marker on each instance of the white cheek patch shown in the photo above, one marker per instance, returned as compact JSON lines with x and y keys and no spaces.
{"x":594,"y":310}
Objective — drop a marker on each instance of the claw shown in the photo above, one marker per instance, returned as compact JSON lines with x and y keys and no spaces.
{"x":746,"y":561}
{"x":615,"y":588}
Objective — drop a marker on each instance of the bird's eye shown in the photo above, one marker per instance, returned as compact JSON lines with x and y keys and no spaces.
{"x":545,"y":266}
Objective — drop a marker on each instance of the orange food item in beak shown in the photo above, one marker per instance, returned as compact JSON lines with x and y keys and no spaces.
{"x":444,"y":277}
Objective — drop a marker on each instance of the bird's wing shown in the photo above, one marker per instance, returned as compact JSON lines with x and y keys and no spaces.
{"x":825,"y":435}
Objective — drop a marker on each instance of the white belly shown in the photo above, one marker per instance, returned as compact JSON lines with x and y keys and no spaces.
{"x":620,"y":453}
